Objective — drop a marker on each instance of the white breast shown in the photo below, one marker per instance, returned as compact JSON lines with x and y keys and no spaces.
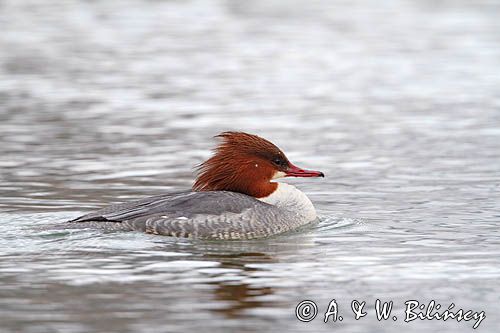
{"x":288,"y":197}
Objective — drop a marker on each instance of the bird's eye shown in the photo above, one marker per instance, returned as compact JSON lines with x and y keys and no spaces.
{"x":278,"y":162}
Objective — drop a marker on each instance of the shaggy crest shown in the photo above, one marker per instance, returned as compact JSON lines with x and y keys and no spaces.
{"x":242,"y":163}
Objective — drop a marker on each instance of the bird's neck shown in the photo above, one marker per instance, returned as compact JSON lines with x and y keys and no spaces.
{"x":288,"y":197}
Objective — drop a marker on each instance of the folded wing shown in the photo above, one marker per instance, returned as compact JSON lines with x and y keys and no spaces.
{"x":207,"y":215}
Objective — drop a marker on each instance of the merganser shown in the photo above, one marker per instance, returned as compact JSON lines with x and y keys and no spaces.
{"x":234,"y":197}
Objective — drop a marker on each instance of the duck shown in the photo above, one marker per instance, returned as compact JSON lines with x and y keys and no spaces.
{"x":236,"y":196}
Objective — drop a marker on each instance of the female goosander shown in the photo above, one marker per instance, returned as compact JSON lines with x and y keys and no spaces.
{"x":233,"y":197}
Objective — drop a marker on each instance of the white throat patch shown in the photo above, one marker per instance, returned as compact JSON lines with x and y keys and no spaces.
{"x":279,"y":174}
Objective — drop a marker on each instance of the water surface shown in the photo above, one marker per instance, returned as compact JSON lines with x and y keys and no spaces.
{"x":397,"y":102}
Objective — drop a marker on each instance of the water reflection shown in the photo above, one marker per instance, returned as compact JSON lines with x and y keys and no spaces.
{"x":397,"y":102}
{"x":241,"y":297}
{"x":231,"y":289}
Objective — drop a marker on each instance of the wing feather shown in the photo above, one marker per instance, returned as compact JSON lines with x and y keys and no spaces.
{"x":207,"y":215}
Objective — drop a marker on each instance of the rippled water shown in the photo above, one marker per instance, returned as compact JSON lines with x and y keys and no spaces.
{"x":398,"y":102}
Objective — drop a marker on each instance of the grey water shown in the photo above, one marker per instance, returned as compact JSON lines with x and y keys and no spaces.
{"x":397,"y":102}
